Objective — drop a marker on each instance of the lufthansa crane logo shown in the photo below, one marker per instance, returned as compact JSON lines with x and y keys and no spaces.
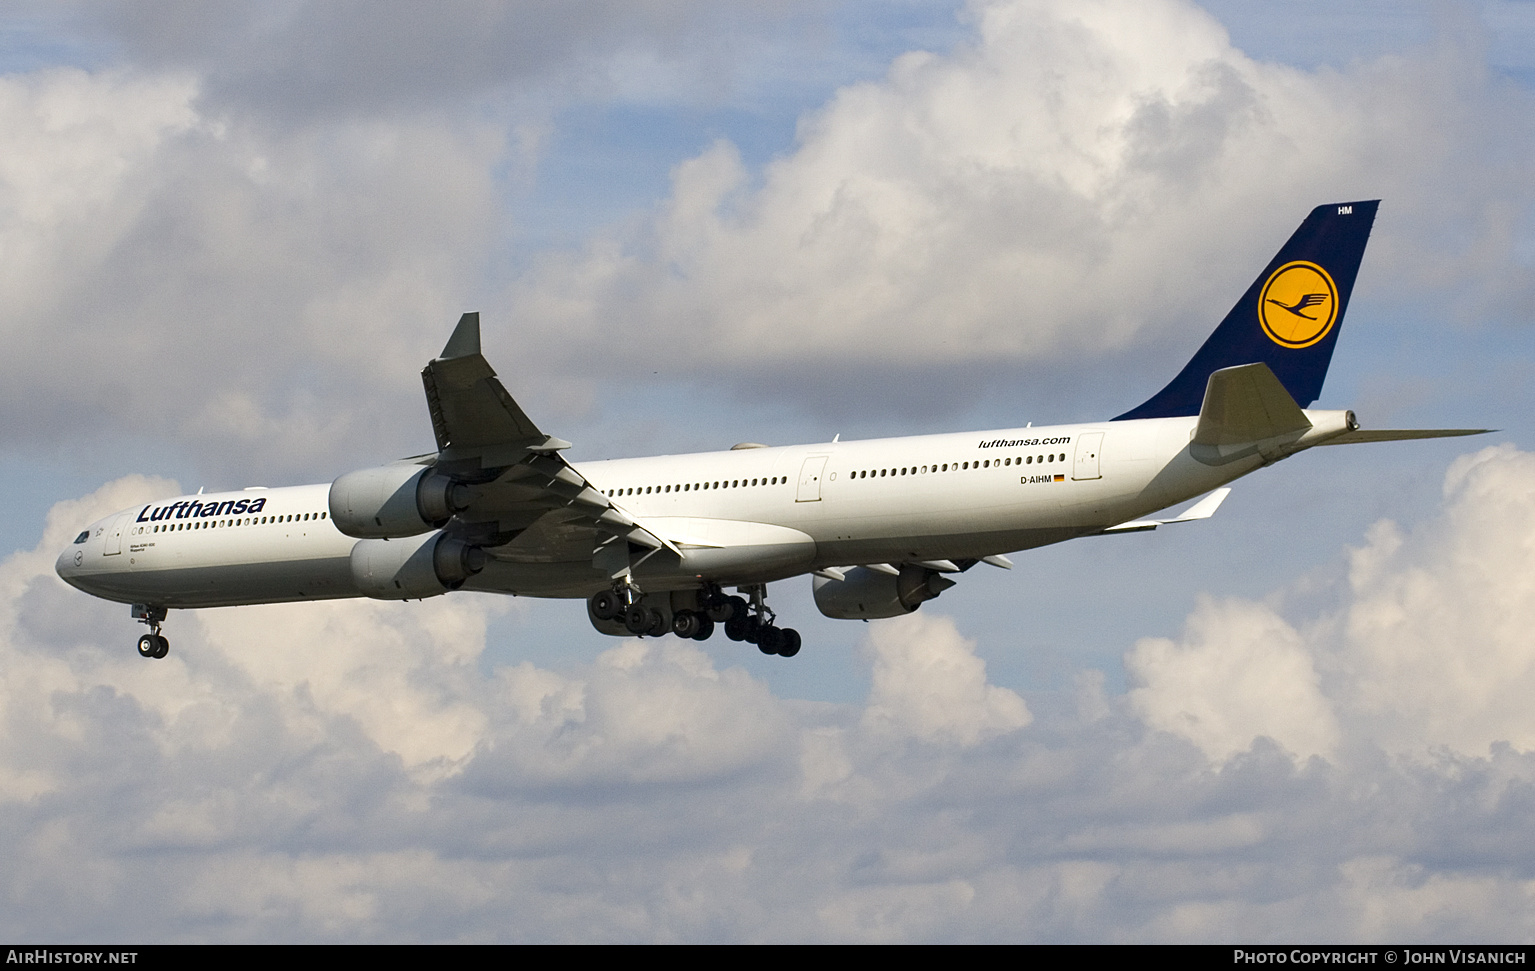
{"x":1298,"y":305}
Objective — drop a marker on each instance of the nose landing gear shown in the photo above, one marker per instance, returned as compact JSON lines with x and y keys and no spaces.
{"x":152,"y":644}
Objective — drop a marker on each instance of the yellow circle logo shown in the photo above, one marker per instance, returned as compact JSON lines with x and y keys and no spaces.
{"x":1298,"y":305}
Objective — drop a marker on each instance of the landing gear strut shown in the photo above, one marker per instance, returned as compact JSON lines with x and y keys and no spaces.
{"x":152,"y":644}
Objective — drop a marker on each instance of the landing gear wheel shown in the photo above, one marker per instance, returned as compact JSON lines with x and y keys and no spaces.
{"x":154,"y":645}
{"x":705,"y":628}
{"x":686,"y":624}
{"x":791,"y":643}
{"x":606,"y":605}
{"x":770,"y":639}
{"x":735,"y":627}
{"x":722,"y":609}
{"x":658,"y":625}
{"x":637,"y":619}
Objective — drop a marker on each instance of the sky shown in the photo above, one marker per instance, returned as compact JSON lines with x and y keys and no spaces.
{"x":231,"y":235}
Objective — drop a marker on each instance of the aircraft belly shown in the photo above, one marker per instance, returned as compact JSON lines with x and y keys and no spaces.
{"x":946,"y":546}
{"x":223,"y":585}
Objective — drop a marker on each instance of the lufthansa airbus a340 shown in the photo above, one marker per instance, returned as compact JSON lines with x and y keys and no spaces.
{"x":651,"y":544}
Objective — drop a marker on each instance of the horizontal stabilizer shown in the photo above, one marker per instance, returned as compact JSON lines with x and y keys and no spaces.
{"x":1361,"y":435}
{"x":1247,"y":404}
{"x":1203,"y":509}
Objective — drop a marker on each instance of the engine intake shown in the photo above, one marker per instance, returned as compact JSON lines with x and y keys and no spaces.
{"x":395,"y":500}
{"x":866,"y":594}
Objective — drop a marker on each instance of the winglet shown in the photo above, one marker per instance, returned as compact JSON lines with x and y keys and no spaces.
{"x":465,"y":341}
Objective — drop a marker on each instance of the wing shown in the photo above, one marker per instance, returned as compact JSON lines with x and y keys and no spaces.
{"x":525,"y":501}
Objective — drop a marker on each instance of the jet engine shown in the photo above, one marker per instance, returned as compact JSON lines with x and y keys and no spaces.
{"x":413,"y":568}
{"x":395,"y":500}
{"x":866,"y":594}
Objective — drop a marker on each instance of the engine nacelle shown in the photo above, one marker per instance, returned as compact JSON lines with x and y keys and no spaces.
{"x":413,"y":568}
{"x":866,"y":594}
{"x":395,"y":500}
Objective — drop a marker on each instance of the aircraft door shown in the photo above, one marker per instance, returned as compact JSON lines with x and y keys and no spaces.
{"x":810,"y":479}
{"x":112,"y":544}
{"x":1088,"y":448}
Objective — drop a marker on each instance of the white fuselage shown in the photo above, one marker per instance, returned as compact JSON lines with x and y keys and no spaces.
{"x":949,"y":497}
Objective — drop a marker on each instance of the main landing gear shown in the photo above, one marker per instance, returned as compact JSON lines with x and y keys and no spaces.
{"x":754,"y":623}
{"x":626,"y":606}
{"x":743,"y":621}
{"x":152,"y":644}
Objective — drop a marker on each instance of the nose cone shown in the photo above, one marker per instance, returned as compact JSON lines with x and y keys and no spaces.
{"x":67,"y":566}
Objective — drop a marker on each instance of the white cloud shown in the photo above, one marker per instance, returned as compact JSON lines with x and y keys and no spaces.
{"x":646,"y":712}
{"x":1240,"y":673}
{"x":1430,"y":653}
{"x":80,"y":148}
{"x":404,"y":673}
{"x":236,"y":287}
{"x":1080,"y":178}
{"x":1438,"y":649}
{"x":332,"y":59}
{"x":930,"y":686}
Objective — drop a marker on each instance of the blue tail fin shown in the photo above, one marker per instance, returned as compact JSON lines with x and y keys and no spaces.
{"x":1288,"y":319}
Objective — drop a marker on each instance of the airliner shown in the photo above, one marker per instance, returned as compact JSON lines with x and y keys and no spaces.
{"x":652,"y":544}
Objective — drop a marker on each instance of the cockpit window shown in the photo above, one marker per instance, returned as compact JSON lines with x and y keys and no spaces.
{"x":82,"y":537}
